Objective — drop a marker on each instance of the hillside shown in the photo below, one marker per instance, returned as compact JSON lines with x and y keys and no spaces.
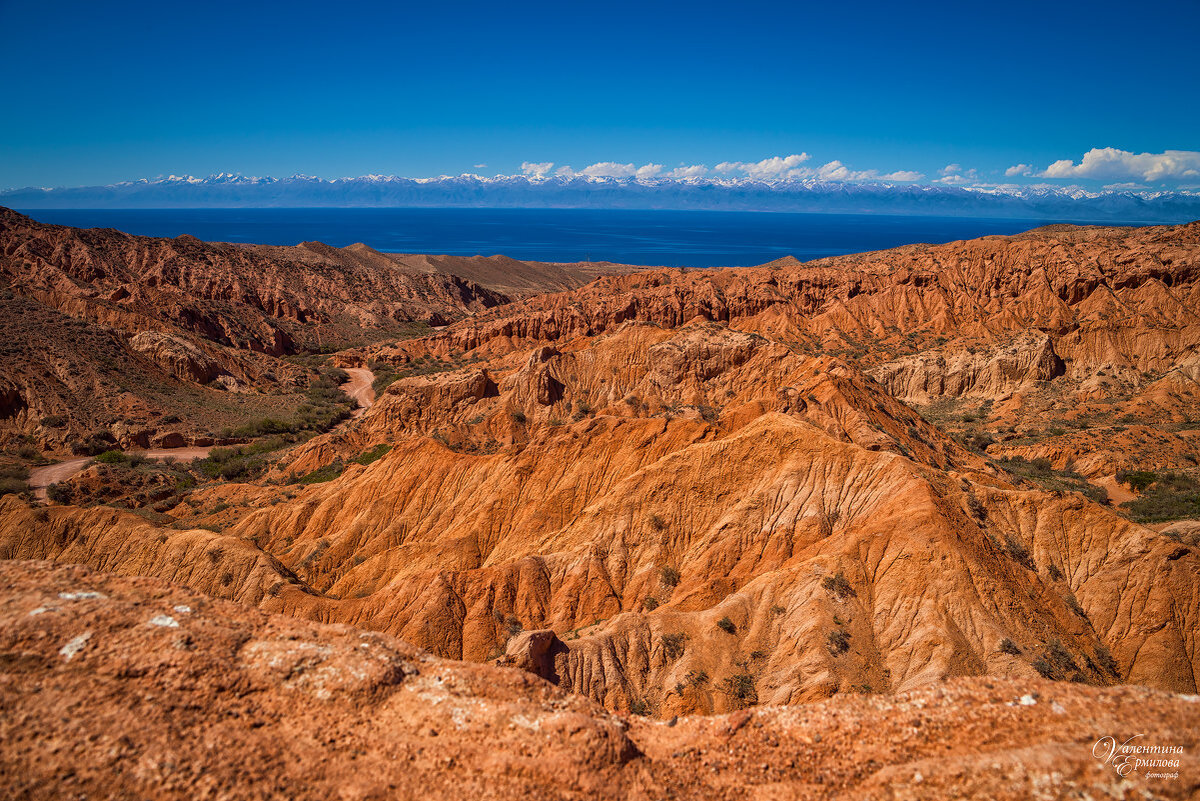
{"x":928,"y":472}
{"x":178,"y":337}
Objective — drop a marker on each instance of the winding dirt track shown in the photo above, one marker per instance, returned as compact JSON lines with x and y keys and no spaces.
{"x":358,"y":388}
{"x":42,"y":477}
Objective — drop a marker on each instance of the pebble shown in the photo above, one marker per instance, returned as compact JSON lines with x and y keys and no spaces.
{"x":164,"y":620}
{"x":74,"y":646}
{"x":1028,"y":700}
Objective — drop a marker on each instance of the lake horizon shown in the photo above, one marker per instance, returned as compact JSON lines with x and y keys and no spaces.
{"x":652,"y":237}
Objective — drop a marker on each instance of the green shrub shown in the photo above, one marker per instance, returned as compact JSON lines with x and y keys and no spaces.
{"x":322,"y":474}
{"x":373,"y":455}
{"x":726,"y":625}
{"x":740,"y":688}
{"x":518,"y":417}
{"x":1138,"y":480}
{"x":112,"y":457}
{"x":60,"y":492}
{"x":1173,"y":496}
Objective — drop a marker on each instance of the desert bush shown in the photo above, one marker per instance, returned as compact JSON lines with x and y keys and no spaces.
{"x":1172,"y":496}
{"x":838,"y":642}
{"x":638,"y":706}
{"x":839,"y":585}
{"x":651,"y":603}
{"x":54,"y":420}
{"x":669,"y":576}
{"x":1018,"y":552}
{"x":1009,"y":647}
{"x":740,"y":688}
{"x":1138,"y":480}
{"x":726,"y":625}
{"x":673,"y":645}
{"x":60,"y":492}
{"x":518,"y":417}
{"x":112,"y":457}
{"x":975,"y":507}
{"x":1104,"y":659}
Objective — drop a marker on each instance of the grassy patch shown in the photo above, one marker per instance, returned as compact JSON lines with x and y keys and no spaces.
{"x":1040,"y":471}
{"x":373,"y":455}
{"x":1171,"y":496}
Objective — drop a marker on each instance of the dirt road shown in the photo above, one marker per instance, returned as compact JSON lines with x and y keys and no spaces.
{"x":359,"y":388}
{"x":42,"y":477}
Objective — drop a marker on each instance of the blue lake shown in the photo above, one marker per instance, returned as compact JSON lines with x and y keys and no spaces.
{"x":674,"y":238}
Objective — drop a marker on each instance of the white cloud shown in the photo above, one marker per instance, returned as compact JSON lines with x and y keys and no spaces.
{"x":1111,"y":163}
{"x":1019,"y":169}
{"x":1127,"y":186}
{"x":609,"y":169}
{"x":954,"y":175}
{"x":774,"y":167}
{"x":481,"y":166}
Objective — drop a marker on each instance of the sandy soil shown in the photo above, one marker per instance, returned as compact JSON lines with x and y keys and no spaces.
{"x":359,"y":388}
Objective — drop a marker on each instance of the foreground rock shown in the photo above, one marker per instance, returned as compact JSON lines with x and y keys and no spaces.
{"x":132,"y":688}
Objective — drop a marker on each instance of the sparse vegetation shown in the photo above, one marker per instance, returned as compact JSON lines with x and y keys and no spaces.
{"x":669,"y":576}
{"x":13,"y":479}
{"x":726,"y":625}
{"x":1042,"y":472}
{"x":1171,"y":496}
{"x":1018,"y":552}
{"x":839,"y":586}
{"x":672,"y":645}
{"x":372,"y":455}
{"x":322,"y":474}
{"x":1009,"y":647}
{"x":740,"y":688}
{"x":1138,"y":480}
{"x":1056,"y":662}
{"x":838,"y":642}
{"x":59,"y":492}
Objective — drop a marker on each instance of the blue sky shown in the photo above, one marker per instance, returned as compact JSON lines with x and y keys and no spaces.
{"x":98,"y":93}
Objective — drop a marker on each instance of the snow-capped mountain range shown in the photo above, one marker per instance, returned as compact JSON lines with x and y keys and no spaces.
{"x":226,"y":190}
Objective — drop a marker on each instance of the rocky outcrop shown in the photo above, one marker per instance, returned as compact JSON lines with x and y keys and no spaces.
{"x":992,"y":373}
{"x":186,"y":361}
{"x":115,"y":686}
